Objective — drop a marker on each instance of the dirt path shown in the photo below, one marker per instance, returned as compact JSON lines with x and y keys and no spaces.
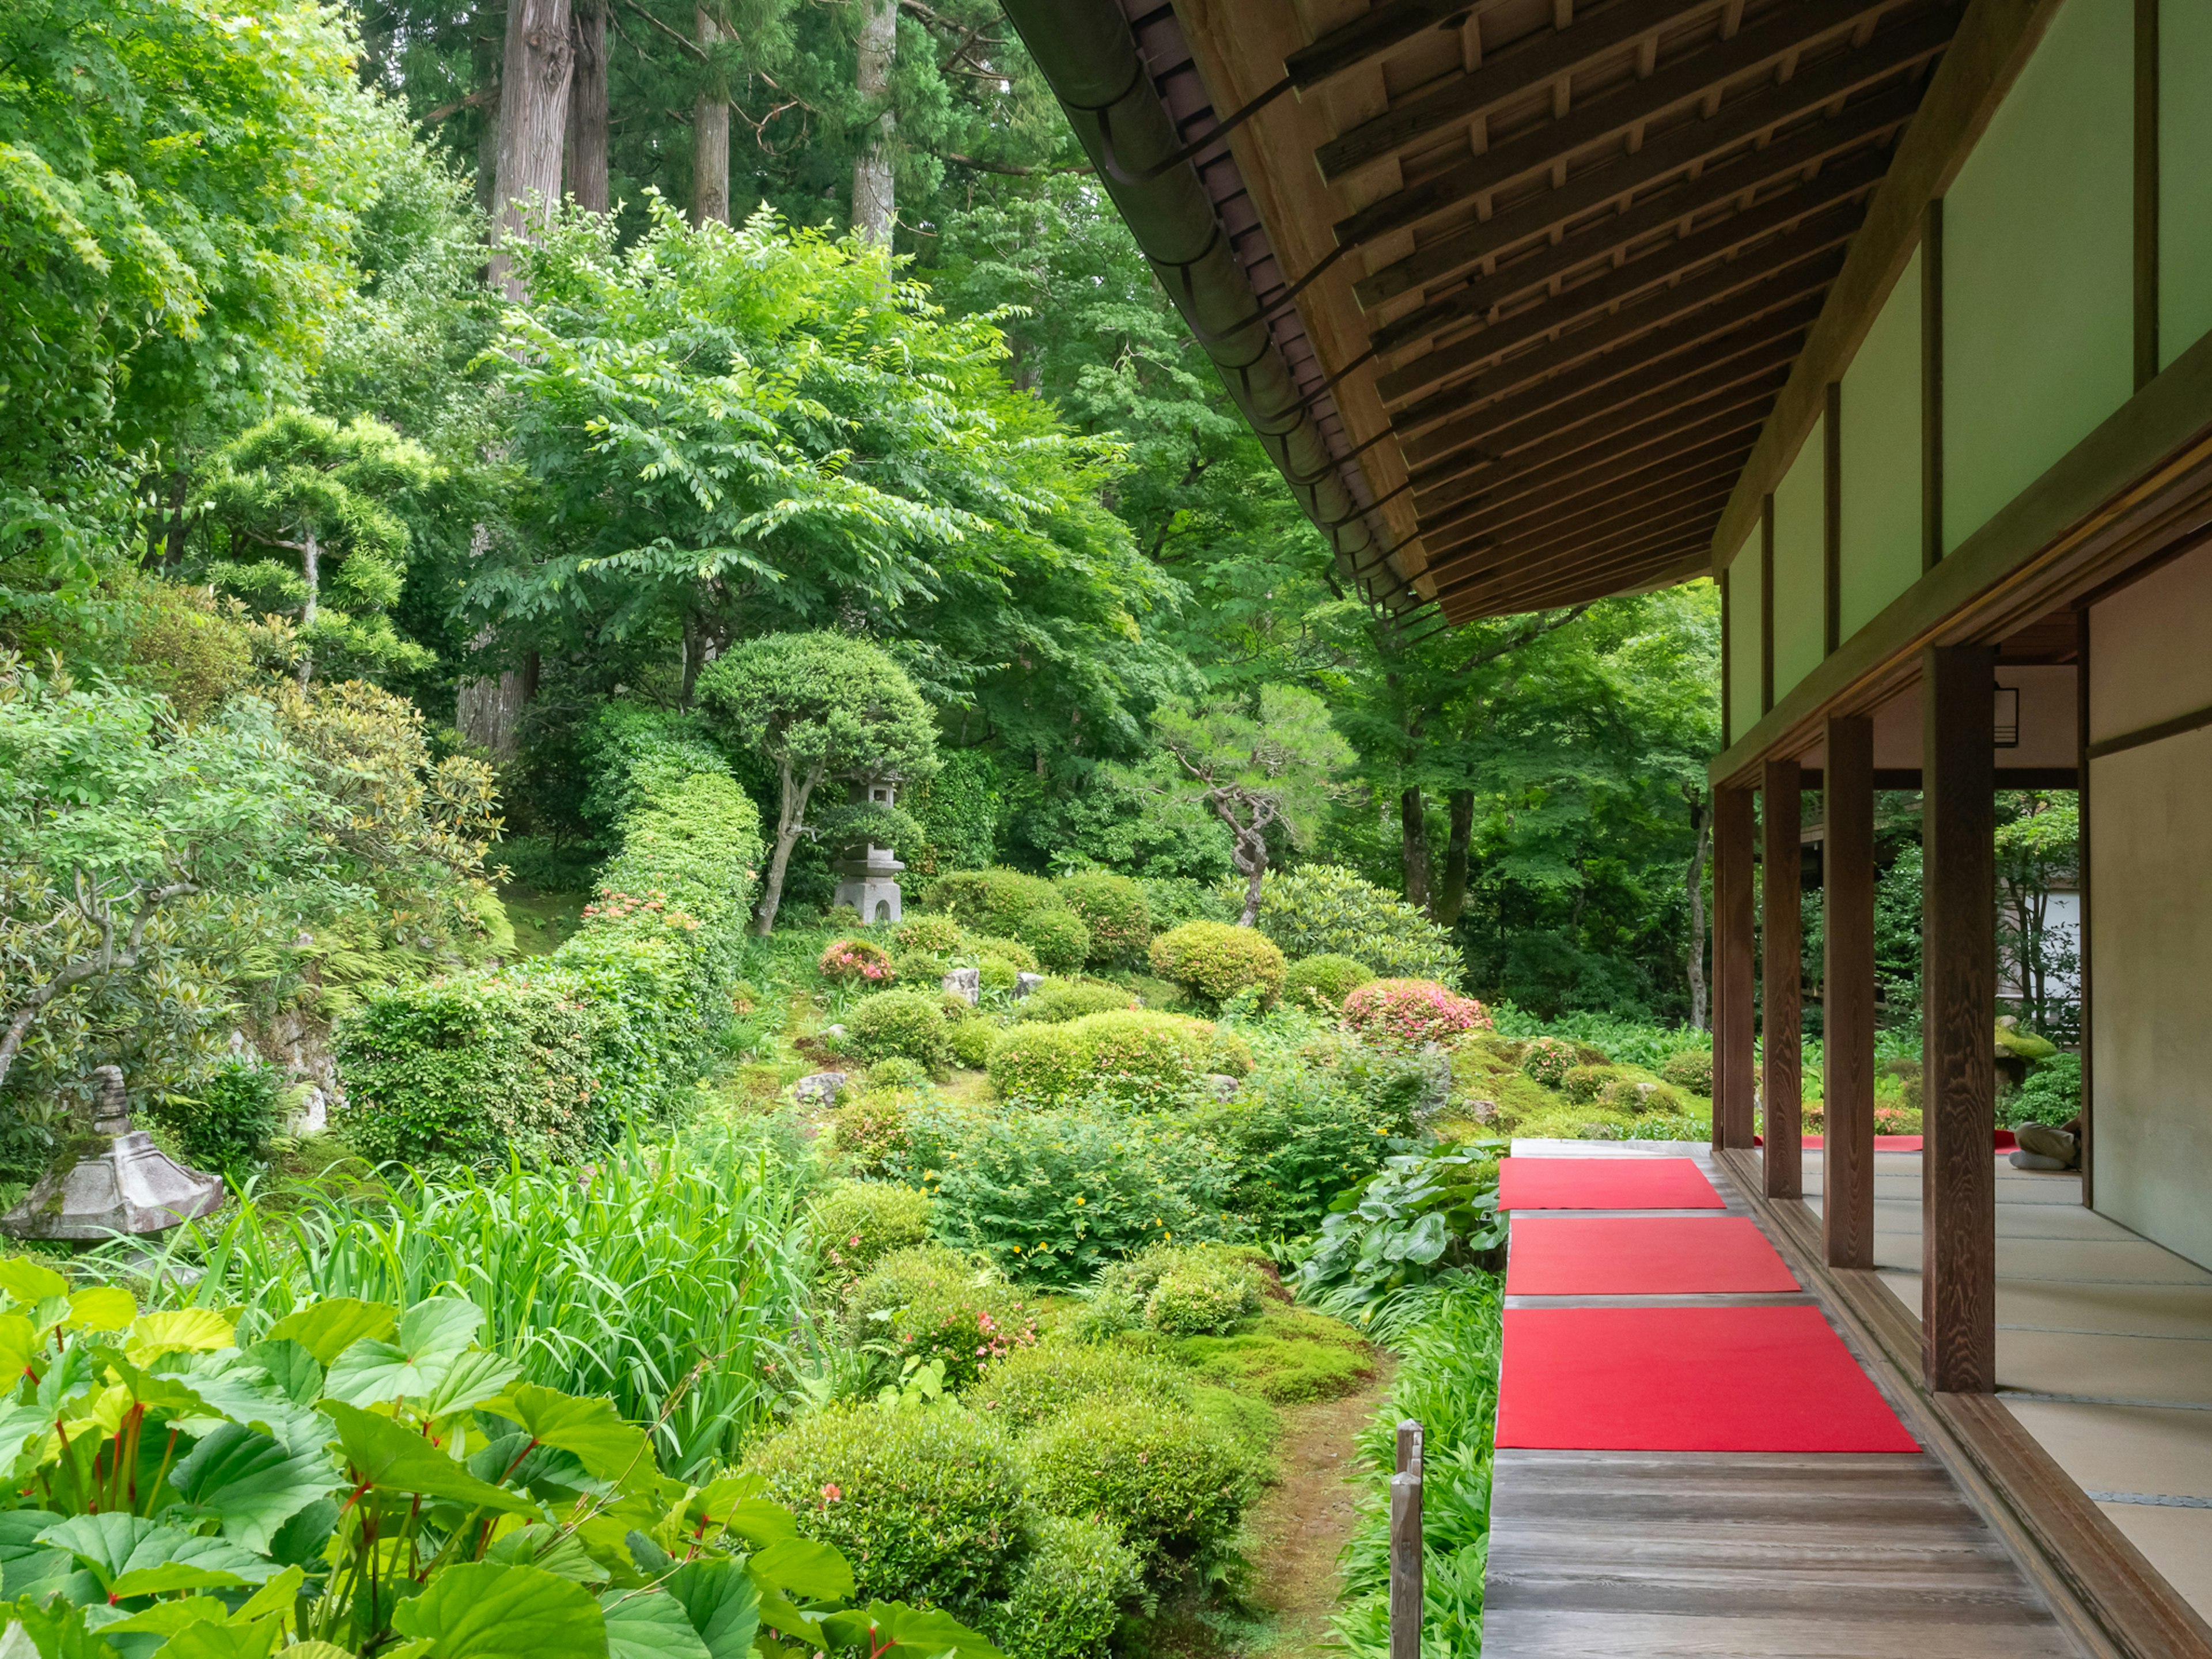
{"x":1303,"y":1520}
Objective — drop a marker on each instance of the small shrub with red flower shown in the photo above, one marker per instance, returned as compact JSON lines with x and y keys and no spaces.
{"x":1407,"y":1012}
{"x":929,"y":1303}
{"x":855,"y":961}
{"x":858,"y":1223}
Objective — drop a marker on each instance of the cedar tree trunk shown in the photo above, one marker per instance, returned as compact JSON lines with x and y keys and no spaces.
{"x":588,"y":106}
{"x":872,"y":203}
{"x":533,"y":124}
{"x":710,"y":135}
{"x":1458,"y":850}
{"x":1414,"y":833}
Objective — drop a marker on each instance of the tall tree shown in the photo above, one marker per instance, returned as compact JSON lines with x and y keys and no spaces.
{"x":710,"y":128}
{"x":533,"y":127}
{"x":874,"y":207}
{"x":586,"y":165}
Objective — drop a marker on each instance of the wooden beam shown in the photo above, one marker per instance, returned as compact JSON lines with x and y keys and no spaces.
{"x":1664,"y":156}
{"x":1731,"y":957}
{"x":1572,"y":554}
{"x":1958,"y":1021}
{"x":1780,"y":34}
{"x":1375,"y":33}
{"x":1782,"y":947}
{"x":1749,"y":285}
{"x":2084,"y":865}
{"x":1668,"y":500}
{"x":1558,"y":487}
{"x":1674,"y":353}
{"x":1614,"y":567}
{"x":1809,"y":211}
{"x":1994,"y":40}
{"x":1668,"y":563}
{"x":1847,"y":993}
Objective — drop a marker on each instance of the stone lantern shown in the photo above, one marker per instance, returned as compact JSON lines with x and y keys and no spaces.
{"x":113,"y":1180}
{"x":867,"y":875}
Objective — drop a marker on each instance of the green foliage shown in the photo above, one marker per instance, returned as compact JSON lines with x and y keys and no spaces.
{"x":1061,"y":1001}
{"x":1425,"y":1214}
{"x":971,"y":1042}
{"x":1325,"y":909}
{"x":991,"y":902}
{"x":1034,"y":1385}
{"x":1548,"y":1060}
{"x":1324,"y":982}
{"x":938,"y":935}
{"x":858,"y":1223}
{"x":2051,"y":1094}
{"x":1287,"y":1357}
{"x":1039,"y":1063}
{"x":1008,"y":952}
{"x":1299,"y":1135}
{"x":907,"y":1024}
{"x":1690,"y":1069}
{"x":1582,"y":1084}
{"x":1069,"y":1592}
{"x":1113,"y":907}
{"x":1635,"y":1094}
{"x":927,"y":1505}
{"x":932,"y":1303}
{"x":1177,"y":1290}
{"x":854,"y":962}
{"x":229,"y":1115}
{"x":869,"y":1133}
{"x":1407,"y":1013}
{"x":1060,"y":939}
{"x":1174,"y":1486}
{"x":1055,"y":1196}
{"x":1215,"y":961}
{"x":1139,"y":1053}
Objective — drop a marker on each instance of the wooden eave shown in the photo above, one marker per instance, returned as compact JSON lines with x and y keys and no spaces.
{"x":1555,"y":258}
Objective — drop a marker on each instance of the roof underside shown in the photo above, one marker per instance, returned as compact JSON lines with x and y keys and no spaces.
{"x":1539,"y":267}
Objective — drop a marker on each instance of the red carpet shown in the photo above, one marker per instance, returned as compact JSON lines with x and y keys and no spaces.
{"x":1642,"y":1255}
{"x":2004,"y":1141}
{"x":1687,"y":1379}
{"x":1604,"y":1183}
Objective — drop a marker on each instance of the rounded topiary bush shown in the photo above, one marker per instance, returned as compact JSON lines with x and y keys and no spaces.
{"x":868,"y":1133}
{"x":1037,"y":1384}
{"x":937,"y":935}
{"x":989,"y":901}
{"x":985,"y":949}
{"x":906,"y":1024}
{"x":897,"y":1072}
{"x":856,"y":961}
{"x":1325,"y":909}
{"x":1068,"y":1594}
{"x":1548,"y":1061}
{"x":970,"y":1041}
{"x":1139,"y":1051}
{"x":1038,"y":1062}
{"x":1214,"y":960}
{"x":1173,"y":1484}
{"x":1690,"y":1069}
{"x":1113,"y":907}
{"x":1324,"y":982}
{"x":1179,"y":1289}
{"x":1060,"y":941}
{"x":1057,"y":1003}
{"x":936,"y":1303}
{"x":1584,"y":1083}
{"x":858,"y":1223}
{"x":1410,"y":1012}
{"x":1640,"y":1095}
{"x":918,"y":969}
{"x":927,"y":1506}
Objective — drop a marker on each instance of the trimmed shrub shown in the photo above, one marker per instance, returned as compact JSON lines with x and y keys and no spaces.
{"x":1135,"y":1053}
{"x":1584,"y":1083}
{"x":858,"y":1223}
{"x":1324,"y":982}
{"x":1637,"y":1095}
{"x":227,"y":1117}
{"x":918,"y":969}
{"x":1320,"y":909}
{"x":1178,"y":1290}
{"x":1035,"y":1385}
{"x":855,"y":961}
{"x":927,"y":1505}
{"x":970,"y":1041}
{"x":989,"y":901}
{"x":897,"y":1072}
{"x":1068,"y":1592}
{"x":1229,"y":1054}
{"x":1548,"y":1060}
{"x":936,"y":1303}
{"x":984,"y":948}
{"x":907,"y":1024}
{"x":1411,"y":1011}
{"x":1174,"y":1486}
{"x":1058,"y":1003}
{"x":1113,"y":907}
{"x":1214,"y":960}
{"x":869,"y":1134}
{"x":1690,"y":1069}
{"x":1039,"y":1063}
{"x":1060,"y":941}
{"x":843,"y":915}
{"x":937,"y":935}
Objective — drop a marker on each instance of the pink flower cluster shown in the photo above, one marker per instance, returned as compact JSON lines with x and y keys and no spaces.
{"x":856,"y":959}
{"x":1412,"y":1012}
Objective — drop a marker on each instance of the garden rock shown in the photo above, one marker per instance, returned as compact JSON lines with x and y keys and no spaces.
{"x":1025,"y":983}
{"x":1222,"y":1085}
{"x":966,"y":983}
{"x":825,"y":1086}
{"x":1483,"y":1111}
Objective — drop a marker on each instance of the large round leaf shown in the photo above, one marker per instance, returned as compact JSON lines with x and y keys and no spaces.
{"x":479,"y":1610}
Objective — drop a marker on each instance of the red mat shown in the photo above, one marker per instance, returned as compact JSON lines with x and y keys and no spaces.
{"x":1687,"y":1379}
{"x":2004,"y":1141}
{"x":1642,"y":1255}
{"x":1605,"y":1183}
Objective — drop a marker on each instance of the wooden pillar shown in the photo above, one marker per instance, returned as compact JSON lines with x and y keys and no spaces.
{"x":2089,"y":898}
{"x":1958,"y":972}
{"x":1847,"y":994}
{"x":1781,"y":1080}
{"x":1732,"y":953}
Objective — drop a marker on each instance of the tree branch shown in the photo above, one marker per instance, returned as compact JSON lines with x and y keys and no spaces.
{"x":691,"y":47}
{"x":1526,"y":636}
{"x":482,"y":95}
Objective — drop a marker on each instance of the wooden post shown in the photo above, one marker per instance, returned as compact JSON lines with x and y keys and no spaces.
{"x":1781,"y":1080}
{"x":2089,"y":898}
{"x":1732,"y":952}
{"x":1958,"y":972}
{"x":1847,"y":995}
{"x":1406,"y":1588}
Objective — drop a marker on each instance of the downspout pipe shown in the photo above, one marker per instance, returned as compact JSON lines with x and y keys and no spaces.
{"x":1088,"y":56}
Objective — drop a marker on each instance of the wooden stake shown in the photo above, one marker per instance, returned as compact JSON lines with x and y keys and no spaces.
{"x":1406,"y":1564}
{"x":1733,"y":1084}
{"x":1783,"y":1082}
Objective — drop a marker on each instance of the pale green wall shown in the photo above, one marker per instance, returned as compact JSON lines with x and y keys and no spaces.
{"x":1799,"y":505}
{"x":2185,"y":176}
{"x":1882,"y":458}
{"x":1743,"y":638}
{"x":2038,"y":331}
